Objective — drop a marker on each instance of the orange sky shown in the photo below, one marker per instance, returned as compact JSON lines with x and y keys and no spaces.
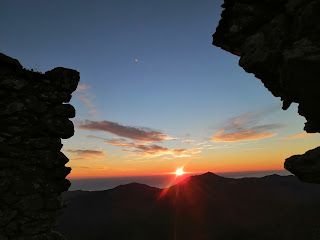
{"x":258,"y":155}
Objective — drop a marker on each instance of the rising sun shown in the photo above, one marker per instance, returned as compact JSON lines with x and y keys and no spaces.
{"x":179,"y":171}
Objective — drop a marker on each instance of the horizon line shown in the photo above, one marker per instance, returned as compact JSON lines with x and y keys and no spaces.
{"x":172,"y":173}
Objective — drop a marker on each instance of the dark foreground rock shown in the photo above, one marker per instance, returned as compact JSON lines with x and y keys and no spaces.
{"x":279,"y":42}
{"x":33,"y":120}
{"x":303,"y":166}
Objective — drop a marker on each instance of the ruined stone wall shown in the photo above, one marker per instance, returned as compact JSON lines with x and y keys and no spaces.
{"x":279,"y":42}
{"x":33,"y":119}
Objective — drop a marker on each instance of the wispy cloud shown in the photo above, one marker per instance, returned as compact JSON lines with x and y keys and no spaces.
{"x":146,"y":149}
{"x":87,"y":98}
{"x":91,"y":167}
{"x":82,"y":87}
{"x":246,"y":127}
{"x":245,"y":135}
{"x":122,"y":142}
{"x":300,"y":135}
{"x":135,"y":133}
{"x":85,"y":154}
{"x":156,"y":151}
{"x":187,"y":141}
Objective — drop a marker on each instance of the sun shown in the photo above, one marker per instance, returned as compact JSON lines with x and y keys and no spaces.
{"x":179,"y":171}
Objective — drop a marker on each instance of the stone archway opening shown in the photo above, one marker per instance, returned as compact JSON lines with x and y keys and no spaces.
{"x":278,"y":41}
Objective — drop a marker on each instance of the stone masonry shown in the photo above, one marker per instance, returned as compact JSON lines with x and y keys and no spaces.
{"x":33,"y":119}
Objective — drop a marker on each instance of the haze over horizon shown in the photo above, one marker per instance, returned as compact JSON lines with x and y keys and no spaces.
{"x":159,"y":181}
{"x":154,"y":94}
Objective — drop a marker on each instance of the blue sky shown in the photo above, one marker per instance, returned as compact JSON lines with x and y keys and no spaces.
{"x":147,"y":64}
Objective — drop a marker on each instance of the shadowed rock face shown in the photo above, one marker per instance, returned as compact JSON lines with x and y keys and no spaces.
{"x":279,"y":42}
{"x":33,"y":120}
{"x":306,"y":166}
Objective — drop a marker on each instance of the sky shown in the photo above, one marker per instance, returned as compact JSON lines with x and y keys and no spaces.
{"x":154,"y":93}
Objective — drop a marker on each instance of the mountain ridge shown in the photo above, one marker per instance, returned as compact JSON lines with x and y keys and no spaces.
{"x":205,"y":206}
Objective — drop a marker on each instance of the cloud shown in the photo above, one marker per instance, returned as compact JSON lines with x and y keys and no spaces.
{"x":87,"y":98}
{"x":82,"y":87}
{"x":116,"y":141}
{"x":147,"y":149}
{"x":91,"y":167}
{"x":140,"y":134}
{"x":245,"y":128}
{"x":122,"y":142}
{"x":85,"y":154}
{"x":188,"y":141}
{"x":245,"y":135}
{"x":82,"y":152}
{"x":155,"y":151}
{"x":300,"y":135}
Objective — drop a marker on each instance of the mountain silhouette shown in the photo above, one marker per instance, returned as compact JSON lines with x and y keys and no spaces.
{"x":200,"y":207}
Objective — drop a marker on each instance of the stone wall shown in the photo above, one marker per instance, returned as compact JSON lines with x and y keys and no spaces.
{"x":33,"y":119}
{"x":279,"y":42}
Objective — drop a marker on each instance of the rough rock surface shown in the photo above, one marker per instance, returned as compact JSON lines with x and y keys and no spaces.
{"x":306,"y":167}
{"x":32,"y":173}
{"x":279,"y":42}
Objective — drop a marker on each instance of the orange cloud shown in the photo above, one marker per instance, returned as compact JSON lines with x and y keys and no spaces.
{"x":155,"y":151}
{"x":140,"y":134}
{"x":122,"y":142}
{"x":85,"y":154}
{"x":188,"y":141}
{"x":245,"y":135}
{"x":143,"y":149}
{"x":245,"y":127}
{"x":91,"y":167}
{"x":300,"y":135}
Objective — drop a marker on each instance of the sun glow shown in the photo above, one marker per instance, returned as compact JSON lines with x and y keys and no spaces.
{"x":179,"y":171}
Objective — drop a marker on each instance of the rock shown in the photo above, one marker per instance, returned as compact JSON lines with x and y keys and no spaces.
{"x":33,"y":119}
{"x":9,"y":64}
{"x":65,"y":110}
{"x":279,"y":42}
{"x":306,"y":167}
{"x":60,"y":127}
{"x":63,"y":78}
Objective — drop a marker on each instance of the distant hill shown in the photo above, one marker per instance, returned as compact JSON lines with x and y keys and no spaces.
{"x":203,"y":207}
